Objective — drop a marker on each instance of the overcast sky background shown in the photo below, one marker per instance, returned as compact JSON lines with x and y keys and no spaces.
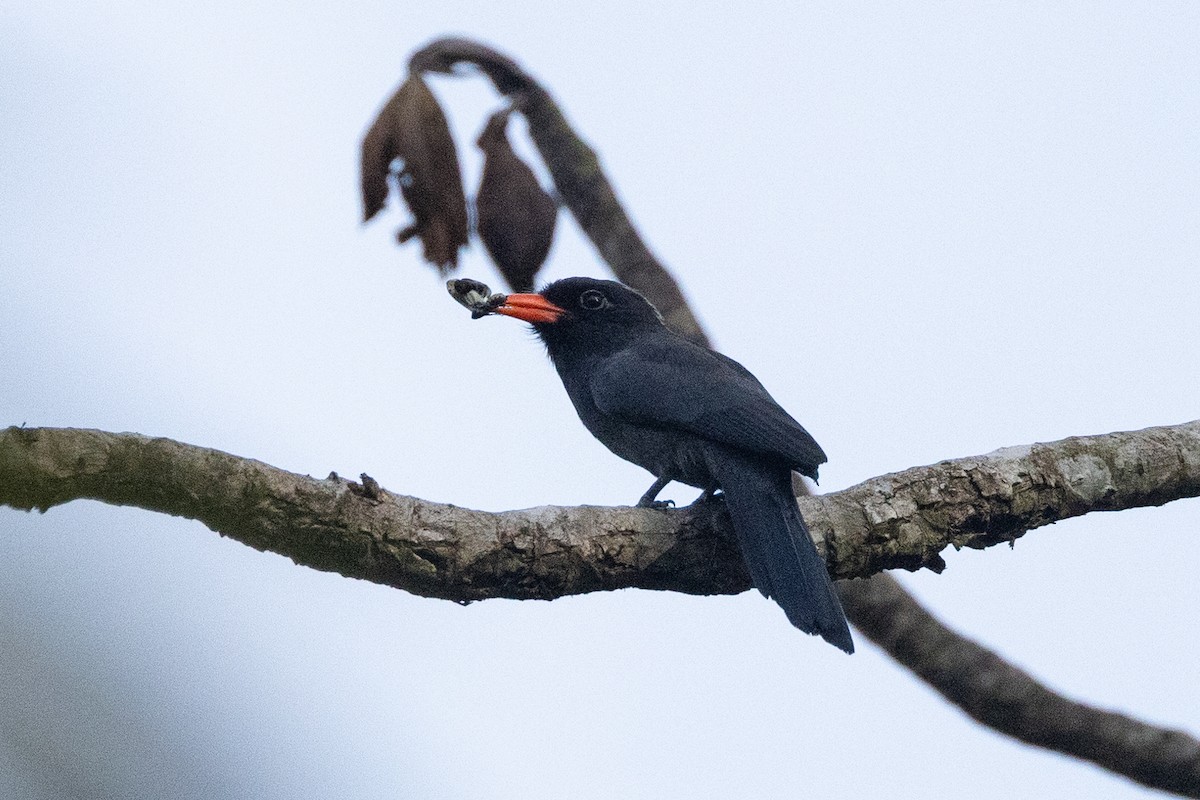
{"x":931,"y":230}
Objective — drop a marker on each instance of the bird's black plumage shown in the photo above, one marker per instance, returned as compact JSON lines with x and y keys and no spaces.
{"x":689,"y":414}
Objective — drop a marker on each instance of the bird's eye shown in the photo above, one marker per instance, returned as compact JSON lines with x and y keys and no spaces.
{"x":592,"y":300}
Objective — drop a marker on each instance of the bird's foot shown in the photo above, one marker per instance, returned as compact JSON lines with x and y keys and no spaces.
{"x":643,"y":503}
{"x":708,"y":496}
{"x":647,"y":500}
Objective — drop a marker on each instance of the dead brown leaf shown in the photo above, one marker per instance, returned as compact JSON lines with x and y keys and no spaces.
{"x":412,"y":128}
{"x":514,"y":216}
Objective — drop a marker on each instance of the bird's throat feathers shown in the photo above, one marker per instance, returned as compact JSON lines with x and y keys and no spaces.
{"x":573,"y":338}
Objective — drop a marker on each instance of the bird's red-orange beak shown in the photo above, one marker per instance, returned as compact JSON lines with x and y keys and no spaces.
{"x":530,"y":307}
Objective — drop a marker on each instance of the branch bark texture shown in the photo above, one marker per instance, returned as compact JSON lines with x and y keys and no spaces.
{"x":904,"y":519}
{"x":899,"y":520}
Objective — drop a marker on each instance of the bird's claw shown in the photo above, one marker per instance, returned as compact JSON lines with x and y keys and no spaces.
{"x":706,"y":497}
{"x":656,"y":504}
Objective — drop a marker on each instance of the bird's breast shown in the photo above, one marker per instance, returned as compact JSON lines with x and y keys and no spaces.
{"x":663,"y":452}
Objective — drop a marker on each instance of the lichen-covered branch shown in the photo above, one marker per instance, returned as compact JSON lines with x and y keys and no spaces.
{"x":1011,"y":701}
{"x":578,"y":178}
{"x":903,"y":519}
{"x":900,"y":520}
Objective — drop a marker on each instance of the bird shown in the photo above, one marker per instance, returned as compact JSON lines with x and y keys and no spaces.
{"x":689,"y":414}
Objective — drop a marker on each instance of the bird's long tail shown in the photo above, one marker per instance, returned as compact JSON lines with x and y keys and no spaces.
{"x":783,"y":561}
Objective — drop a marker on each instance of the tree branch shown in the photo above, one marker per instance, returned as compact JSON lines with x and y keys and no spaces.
{"x":578,"y":178}
{"x":1011,"y":701}
{"x":900,"y":520}
{"x":442,"y":551}
{"x":867,"y":602}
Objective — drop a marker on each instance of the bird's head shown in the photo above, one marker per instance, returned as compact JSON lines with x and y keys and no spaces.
{"x":584,"y":311}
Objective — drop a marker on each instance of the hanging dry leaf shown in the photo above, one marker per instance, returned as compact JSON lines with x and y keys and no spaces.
{"x":412,"y":128}
{"x":513,"y":214}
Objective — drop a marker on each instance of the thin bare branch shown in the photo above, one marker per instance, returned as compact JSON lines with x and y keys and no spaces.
{"x":1010,"y":700}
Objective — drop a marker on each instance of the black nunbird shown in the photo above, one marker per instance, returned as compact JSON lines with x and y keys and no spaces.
{"x":688,"y":414}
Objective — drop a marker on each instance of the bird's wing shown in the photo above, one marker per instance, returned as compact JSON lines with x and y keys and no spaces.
{"x":668,"y":382}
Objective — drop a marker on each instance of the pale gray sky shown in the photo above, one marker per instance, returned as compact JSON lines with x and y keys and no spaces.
{"x":931,"y":231}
